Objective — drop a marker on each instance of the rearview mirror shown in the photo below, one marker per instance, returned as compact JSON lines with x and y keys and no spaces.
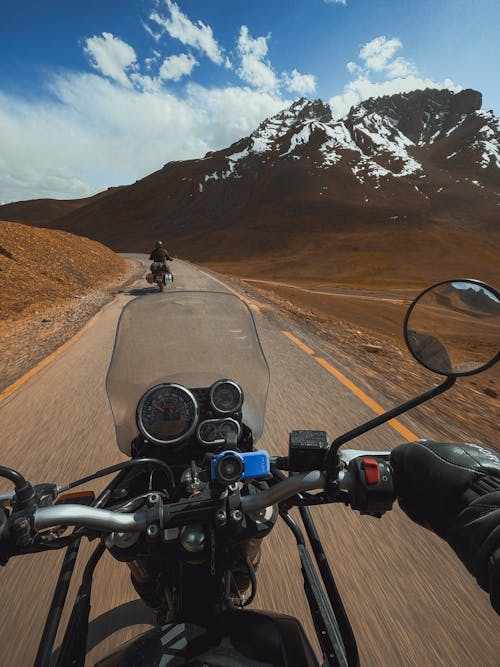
{"x":453,"y":327}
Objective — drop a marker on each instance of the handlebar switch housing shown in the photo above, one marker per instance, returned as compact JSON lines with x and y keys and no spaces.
{"x":4,"y":535}
{"x":372,"y":489}
{"x":307,"y":450}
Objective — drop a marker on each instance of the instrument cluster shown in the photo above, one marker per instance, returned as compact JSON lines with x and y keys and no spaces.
{"x":169,"y":414}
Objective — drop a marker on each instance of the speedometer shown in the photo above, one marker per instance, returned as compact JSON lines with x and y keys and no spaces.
{"x":167,"y":413}
{"x":226,"y":396}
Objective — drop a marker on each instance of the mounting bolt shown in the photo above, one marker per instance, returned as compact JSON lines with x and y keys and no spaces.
{"x":153,"y":499}
{"x":221,"y":515}
{"x":236,"y":515}
{"x":152,"y":531}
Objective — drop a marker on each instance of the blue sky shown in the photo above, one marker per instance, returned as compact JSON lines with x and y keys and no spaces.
{"x":103,"y":92}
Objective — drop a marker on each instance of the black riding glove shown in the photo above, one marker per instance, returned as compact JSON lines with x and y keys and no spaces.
{"x":454,"y":490}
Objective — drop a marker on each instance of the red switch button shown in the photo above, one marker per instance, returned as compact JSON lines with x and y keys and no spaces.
{"x":372,"y":473}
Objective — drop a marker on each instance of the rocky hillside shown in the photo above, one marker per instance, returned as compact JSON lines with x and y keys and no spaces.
{"x":40,"y":268}
{"x":404,"y":188}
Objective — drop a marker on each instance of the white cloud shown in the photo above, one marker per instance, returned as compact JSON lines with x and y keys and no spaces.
{"x":111,"y":56}
{"x":155,"y":35}
{"x":153,"y":59}
{"x":175,"y":67}
{"x":377,"y":53}
{"x":335,"y":2}
{"x":248,"y":46}
{"x":353,"y":68}
{"x":145,"y":82}
{"x":253,"y":69}
{"x":233,"y":112}
{"x":395,"y":75}
{"x":199,"y":36}
{"x":99,"y":133}
{"x":303,"y":84}
{"x":400,"y":67}
{"x":122,"y":122}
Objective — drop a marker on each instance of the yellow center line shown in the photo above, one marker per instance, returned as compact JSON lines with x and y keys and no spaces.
{"x":367,"y":400}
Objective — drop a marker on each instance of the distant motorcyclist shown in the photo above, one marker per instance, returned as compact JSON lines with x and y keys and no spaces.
{"x":159,"y":256}
{"x":453,"y":489}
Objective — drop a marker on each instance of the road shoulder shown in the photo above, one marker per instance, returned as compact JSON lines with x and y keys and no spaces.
{"x":27,"y":341}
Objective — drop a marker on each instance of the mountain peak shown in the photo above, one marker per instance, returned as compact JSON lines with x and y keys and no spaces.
{"x":464,"y":102}
{"x":305,"y":109}
{"x":421,"y":114}
{"x":300,"y":112}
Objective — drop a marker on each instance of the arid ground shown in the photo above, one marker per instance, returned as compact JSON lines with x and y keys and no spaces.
{"x":52,"y":282}
{"x":360,"y":330}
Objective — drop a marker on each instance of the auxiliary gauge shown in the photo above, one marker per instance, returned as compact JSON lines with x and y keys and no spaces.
{"x":226,"y":396}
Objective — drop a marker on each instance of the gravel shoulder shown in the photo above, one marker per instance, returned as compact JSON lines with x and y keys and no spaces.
{"x":382,"y":363}
{"x":468,"y":412}
{"x":26,"y":341}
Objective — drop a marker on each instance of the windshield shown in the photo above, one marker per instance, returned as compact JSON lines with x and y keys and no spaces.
{"x":192,"y":339}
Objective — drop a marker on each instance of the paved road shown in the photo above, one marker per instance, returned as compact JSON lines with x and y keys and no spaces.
{"x":410,"y":602}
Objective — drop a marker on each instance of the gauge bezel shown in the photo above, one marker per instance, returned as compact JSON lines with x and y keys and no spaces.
{"x":218,"y":384}
{"x":208,"y":443}
{"x":171,"y":441}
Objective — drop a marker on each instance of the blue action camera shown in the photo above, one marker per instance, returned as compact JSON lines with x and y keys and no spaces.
{"x":230,"y":467}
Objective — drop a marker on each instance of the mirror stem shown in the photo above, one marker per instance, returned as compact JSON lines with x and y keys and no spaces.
{"x":331,"y":459}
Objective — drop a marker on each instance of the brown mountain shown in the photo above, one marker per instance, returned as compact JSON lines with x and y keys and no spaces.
{"x":402,"y":190}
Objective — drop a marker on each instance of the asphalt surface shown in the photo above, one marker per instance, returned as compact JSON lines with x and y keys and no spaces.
{"x":410,"y":601}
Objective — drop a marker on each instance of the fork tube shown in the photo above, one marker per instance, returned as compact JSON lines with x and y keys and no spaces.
{"x":331,"y":588}
{"x":56,"y":608}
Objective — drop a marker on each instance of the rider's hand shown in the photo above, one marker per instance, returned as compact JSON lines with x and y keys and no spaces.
{"x":454,"y":490}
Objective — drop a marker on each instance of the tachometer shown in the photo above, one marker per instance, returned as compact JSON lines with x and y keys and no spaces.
{"x":167,"y":413}
{"x":226,"y":396}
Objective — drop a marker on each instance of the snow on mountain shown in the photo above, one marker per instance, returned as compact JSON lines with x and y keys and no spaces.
{"x":488,"y":142}
{"x":424,"y":157}
{"x":388,"y":137}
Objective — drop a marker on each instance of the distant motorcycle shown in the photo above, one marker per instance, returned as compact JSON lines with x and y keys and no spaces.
{"x":160,"y":275}
{"x":189,"y":508}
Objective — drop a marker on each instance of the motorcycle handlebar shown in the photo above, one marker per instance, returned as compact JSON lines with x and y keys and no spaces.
{"x":89,"y":517}
{"x":350,"y":480}
{"x":305,"y":481}
{"x":107,"y":520}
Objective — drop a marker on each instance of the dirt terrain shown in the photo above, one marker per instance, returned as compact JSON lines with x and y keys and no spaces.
{"x":309,"y":209}
{"x":46,"y":305}
{"x":361,"y":332}
{"x":51,"y":283}
{"x":368,"y":328}
{"x":58,"y":426}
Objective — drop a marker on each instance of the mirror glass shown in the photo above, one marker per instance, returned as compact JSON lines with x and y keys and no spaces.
{"x":453,"y":328}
